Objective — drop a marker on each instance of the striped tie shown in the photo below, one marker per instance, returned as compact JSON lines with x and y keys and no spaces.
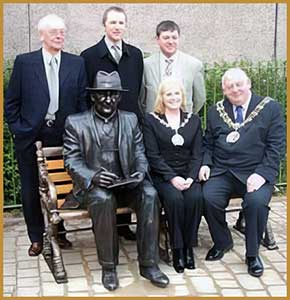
{"x":116,"y":53}
{"x":168,"y":69}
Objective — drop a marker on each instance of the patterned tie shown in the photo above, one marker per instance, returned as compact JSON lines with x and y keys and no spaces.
{"x":116,"y":53}
{"x":239,"y":116}
{"x":168,"y":69}
{"x":53,"y":87}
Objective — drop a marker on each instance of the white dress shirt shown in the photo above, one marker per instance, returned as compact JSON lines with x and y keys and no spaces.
{"x":176,"y":72}
{"x":244,"y":106}
{"x":47,"y":58}
{"x":118,"y":46}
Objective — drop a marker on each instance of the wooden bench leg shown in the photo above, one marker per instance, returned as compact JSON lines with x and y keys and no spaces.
{"x":268,"y":240}
{"x":47,"y":251}
{"x":240,"y":224}
{"x":164,"y":247}
{"x":58,"y":269}
{"x":52,"y":254}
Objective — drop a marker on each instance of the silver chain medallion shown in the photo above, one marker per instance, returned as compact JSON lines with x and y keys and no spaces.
{"x":232,"y":137}
{"x":177,"y":139}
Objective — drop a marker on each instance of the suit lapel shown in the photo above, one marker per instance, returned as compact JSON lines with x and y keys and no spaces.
{"x":229,"y":109}
{"x":121,"y":130}
{"x":157,"y":68}
{"x":64,"y":69}
{"x":105,"y":52}
{"x":39,"y":69}
{"x":253,"y":103}
{"x":93,"y":126}
{"x":155,"y":74}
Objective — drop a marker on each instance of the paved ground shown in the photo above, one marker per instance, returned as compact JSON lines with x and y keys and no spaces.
{"x":27,"y":276}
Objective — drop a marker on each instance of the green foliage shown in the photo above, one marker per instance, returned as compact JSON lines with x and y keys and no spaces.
{"x":10,"y":172}
{"x":268,"y":78}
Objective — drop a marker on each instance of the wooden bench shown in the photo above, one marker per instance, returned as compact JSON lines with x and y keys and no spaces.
{"x":55,"y":183}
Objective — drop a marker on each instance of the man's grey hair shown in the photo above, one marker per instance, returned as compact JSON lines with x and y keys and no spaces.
{"x":236,"y":74}
{"x":51,"y":21}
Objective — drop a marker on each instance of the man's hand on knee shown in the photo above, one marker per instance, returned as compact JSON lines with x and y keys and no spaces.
{"x":204,"y":173}
{"x":254,"y":182}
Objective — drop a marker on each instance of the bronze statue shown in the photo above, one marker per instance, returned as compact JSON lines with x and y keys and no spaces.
{"x":104,"y":153}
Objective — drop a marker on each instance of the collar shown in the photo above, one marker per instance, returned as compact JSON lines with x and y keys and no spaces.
{"x":109,"y":44}
{"x":164,"y":58}
{"x":112,"y":118}
{"x":47,"y":56}
{"x":183,"y":115}
{"x":246,"y":104}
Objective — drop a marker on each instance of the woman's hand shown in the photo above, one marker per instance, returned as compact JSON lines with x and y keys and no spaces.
{"x":178,"y":182}
{"x":188,"y":183}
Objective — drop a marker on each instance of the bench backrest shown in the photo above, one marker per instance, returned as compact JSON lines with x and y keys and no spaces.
{"x":53,"y":158}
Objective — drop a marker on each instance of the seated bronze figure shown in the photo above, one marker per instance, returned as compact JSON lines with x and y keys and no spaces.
{"x":104,"y":154}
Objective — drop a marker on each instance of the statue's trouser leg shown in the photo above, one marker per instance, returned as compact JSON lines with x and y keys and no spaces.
{"x":102,"y":210}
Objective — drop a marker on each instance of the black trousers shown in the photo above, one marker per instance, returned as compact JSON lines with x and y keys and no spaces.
{"x":28,"y":171}
{"x":102,"y":210}
{"x":217,"y":192}
{"x":183,"y":211}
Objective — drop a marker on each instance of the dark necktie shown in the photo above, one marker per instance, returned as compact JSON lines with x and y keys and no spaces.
{"x":239,"y":115}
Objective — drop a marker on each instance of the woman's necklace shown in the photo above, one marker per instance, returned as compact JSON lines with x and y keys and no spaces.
{"x":177,"y":139}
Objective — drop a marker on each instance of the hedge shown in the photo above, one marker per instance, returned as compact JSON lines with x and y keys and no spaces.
{"x":268,"y":78}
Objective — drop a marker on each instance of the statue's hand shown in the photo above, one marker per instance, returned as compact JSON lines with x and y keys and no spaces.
{"x":139,"y":176}
{"x":104,"y":178}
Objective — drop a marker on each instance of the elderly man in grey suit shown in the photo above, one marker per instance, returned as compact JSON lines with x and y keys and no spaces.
{"x":170,"y":62}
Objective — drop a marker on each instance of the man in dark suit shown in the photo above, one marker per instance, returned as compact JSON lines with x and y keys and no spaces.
{"x":244,"y":141}
{"x":104,"y":154}
{"x":110,"y":54}
{"x":45,"y":87}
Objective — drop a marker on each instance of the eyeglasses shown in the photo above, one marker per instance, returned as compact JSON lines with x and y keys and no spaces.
{"x":55,"y":32}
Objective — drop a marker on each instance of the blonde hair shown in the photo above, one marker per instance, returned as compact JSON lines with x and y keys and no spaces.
{"x":163,"y":87}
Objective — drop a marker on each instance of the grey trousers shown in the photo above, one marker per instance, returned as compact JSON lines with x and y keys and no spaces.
{"x":102,"y":209}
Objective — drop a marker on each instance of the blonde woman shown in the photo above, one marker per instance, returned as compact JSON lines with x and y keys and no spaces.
{"x":173,"y":142}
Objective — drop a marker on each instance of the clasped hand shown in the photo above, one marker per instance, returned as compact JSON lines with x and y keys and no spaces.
{"x":180,"y":183}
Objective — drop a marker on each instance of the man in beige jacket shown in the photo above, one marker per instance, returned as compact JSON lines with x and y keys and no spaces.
{"x":170,"y":62}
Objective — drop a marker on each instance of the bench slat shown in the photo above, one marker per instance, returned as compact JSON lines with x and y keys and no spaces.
{"x":59,"y":176}
{"x":82,"y":213}
{"x":55,"y":164}
{"x":52,"y":151}
{"x":64,"y":188}
{"x":60,"y":202}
